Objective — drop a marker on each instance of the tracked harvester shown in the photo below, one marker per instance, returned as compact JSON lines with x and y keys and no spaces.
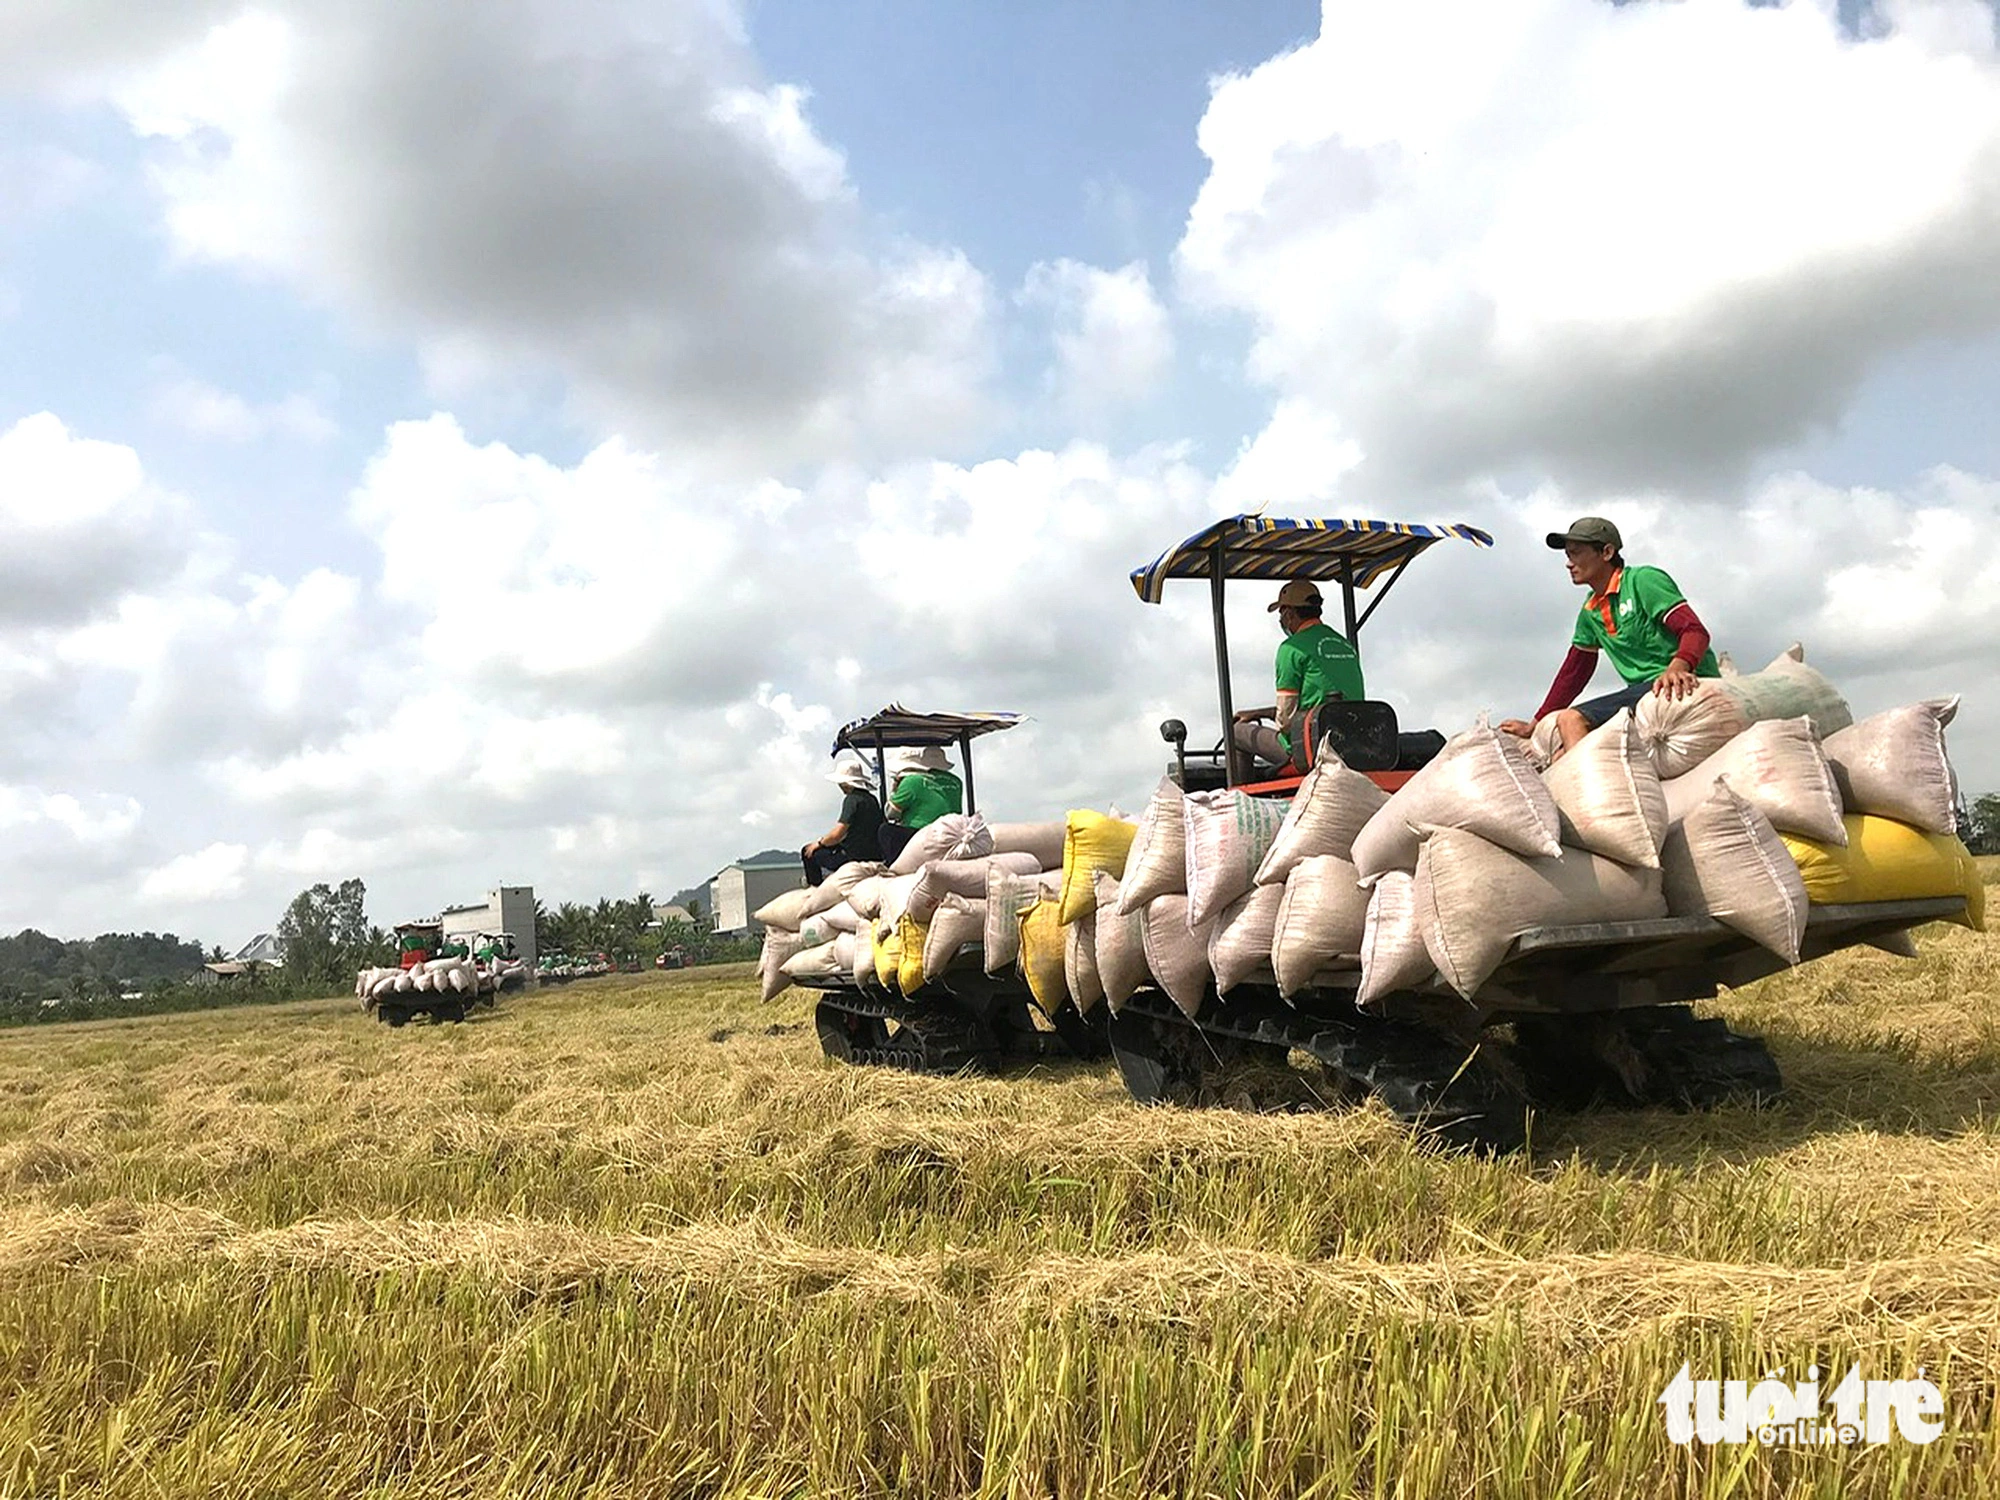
{"x":963,"y":1018}
{"x":1574,"y":1016}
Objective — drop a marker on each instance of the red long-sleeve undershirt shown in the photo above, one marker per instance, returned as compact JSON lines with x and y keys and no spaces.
{"x":1574,"y":675}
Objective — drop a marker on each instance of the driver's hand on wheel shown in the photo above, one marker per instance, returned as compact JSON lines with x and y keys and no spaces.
{"x":1248,"y":715}
{"x":1519,"y":728}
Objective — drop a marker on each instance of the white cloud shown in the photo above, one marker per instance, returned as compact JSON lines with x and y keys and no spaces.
{"x":1534,"y":248}
{"x":209,"y":874}
{"x":605,"y":191}
{"x":206,"y":411}
{"x":1113,"y":342}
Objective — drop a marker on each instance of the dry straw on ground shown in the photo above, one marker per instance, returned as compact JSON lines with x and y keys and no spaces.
{"x":638,"y":1238}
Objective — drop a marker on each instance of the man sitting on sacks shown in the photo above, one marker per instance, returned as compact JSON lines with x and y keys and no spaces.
{"x":1315,"y":663}
{"x":1635,"y":615}
{"x":925,"y":790}
{"x":856,"y":833}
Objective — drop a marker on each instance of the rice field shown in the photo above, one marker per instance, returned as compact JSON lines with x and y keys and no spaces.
{"x":636,"y":1238}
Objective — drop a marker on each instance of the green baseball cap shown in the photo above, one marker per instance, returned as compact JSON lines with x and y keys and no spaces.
{"x":1595,"y":530}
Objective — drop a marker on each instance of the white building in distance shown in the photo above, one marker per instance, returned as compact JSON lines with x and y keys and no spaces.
{"x":507,"y":908}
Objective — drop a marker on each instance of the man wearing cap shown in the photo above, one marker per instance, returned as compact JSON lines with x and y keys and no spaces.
{"x":1315,"y":663}
{"x":926,"y":789}
{"x":1637,"y":616}
{"x":856,"y":833}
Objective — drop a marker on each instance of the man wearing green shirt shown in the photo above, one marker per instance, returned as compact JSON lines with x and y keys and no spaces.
{"x":1635,"y":615}
{"x":1315,"y":663}
{"x":925,"y":791}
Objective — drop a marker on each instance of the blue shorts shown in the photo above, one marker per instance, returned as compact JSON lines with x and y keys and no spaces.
{"x":1596,"y":710}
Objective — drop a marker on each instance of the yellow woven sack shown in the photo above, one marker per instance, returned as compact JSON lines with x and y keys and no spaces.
{"x":1889,"y":861}
{"x":1091,"y":842}
{"x":910,"y":935}
{"x":1042,"y":955}
{"x":888,"y":957}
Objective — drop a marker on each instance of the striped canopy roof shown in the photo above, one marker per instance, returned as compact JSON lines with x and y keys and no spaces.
{"x":898,"y":726}
{"x":1276,"y":550}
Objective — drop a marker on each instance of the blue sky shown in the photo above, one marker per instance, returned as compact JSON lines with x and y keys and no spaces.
{"x":460,"y":455}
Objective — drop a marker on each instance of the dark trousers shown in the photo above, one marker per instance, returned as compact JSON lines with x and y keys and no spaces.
{"x":823,"y":862}
{"x":894,"y":837}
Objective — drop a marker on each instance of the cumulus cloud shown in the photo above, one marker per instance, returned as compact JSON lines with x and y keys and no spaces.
{"x":59,"y":45}
{"x":210,"y":874}
{"x":1530,"y":247}
{"x":80,"y":525}
{"x":205,"y":411}
{"x":1113,"y":342}
{"x":607,"y":191}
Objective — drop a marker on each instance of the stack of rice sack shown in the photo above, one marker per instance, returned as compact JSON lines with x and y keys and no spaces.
{"x":436,"y":976}
{"x":904,"y":924}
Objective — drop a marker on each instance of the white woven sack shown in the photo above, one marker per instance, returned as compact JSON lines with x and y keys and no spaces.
{"x":1008,"y":895}
{"x":953,"y":836}
{"x":1043,"y":840}
{"x":1393,"y":955}
{"x":956,"y":922}
{"x":786,"y":909}
{"x":1681,"y":733}
{"x":960,"y":877}
{"x":1545,"y":745}
{"x":1176,"y":953}
{"x":1778,"y":767}
{"x":1322,"y":918}
{"x":1482,"y":781}
{"x":1789,"y":689}
{"x":1333,"y":804}
{"x":835,"y":885}
{"x":896,"y":893}
{"x":1609,"y":795}
{"x":1121,"y":944}
{"x":1156,"y":864}
{"x":866,"y":897}
{"x":1086,"y":986}
{"x":1239,"y":949}
{"x":820,"y":962}
{"x":1894,"y":765}
{"x":1725,"y":860}
{"x":841,"y":918}
{"x":864,"y":958}
{"x":779,"y":946}
{"x":1474,"y":898}
{"x":1228,"y":834}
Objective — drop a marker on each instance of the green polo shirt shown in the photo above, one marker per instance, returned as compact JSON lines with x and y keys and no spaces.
{"x":1319,"y":663}
{"x":1628,"y":624}
{"x":922,"y":797}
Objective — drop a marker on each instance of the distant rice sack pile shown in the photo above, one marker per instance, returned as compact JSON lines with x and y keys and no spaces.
{"x":1894,"y":765}
{"x":1042,"y":955}
{"x":1080,"y":976}
{"x":1333,"y":804}
{"x":1725,"y":860}
{"x":1884,"y":860}
{"x":1608,"y":794}
{"x":1322,"y":917}
{"x":1777,"y":766}
{"x":1091,"y":842}
{"x":1176,"y":953}
{"x":1474,"y":898}
{"x":1008,"y":898}
{"x":1156,"y":864}
{"x":1394,"y":955}
{"x":1227,"y":836}
{"x":1481,"y":782}
{"x":953,"y":836}
{"x":1239,"y":949}
{"x":958,"y":922}
{"x":1121,"y":944}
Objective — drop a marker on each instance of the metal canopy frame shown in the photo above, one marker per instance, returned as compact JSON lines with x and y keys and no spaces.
{"x":1355,"y":554}
{"x":899,"y":728}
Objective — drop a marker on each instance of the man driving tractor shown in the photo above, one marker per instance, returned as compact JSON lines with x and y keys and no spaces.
{"x":1635,"y":615}
{"x":1315,"y":663}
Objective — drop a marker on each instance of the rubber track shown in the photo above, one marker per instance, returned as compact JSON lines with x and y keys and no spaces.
{"x":927,"y":1038}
